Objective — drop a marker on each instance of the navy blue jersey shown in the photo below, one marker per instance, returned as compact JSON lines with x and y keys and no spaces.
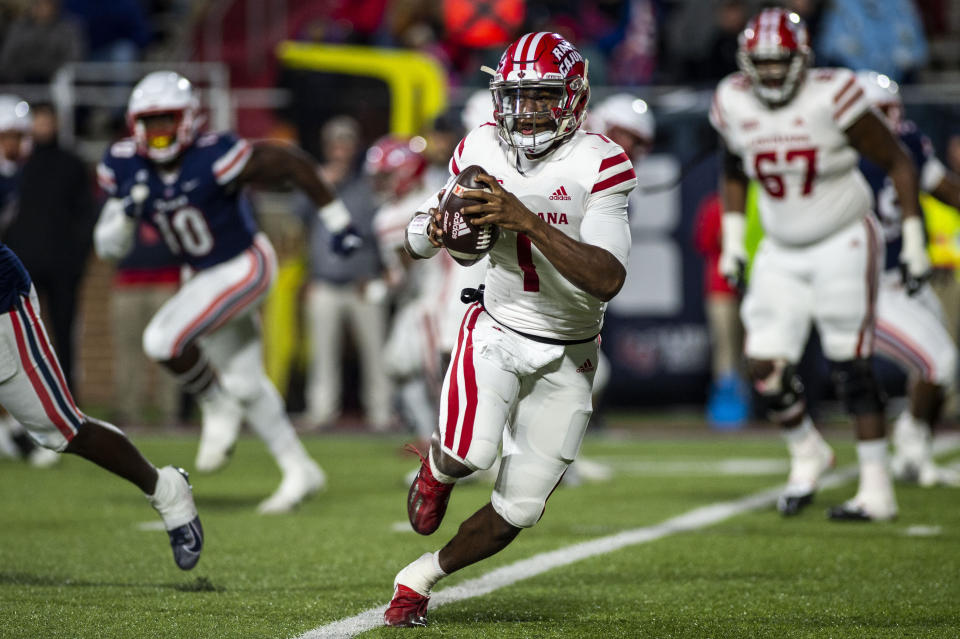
{"x":14,"y":280}
{"x":203,"y":218}
{"x":886,"y":206}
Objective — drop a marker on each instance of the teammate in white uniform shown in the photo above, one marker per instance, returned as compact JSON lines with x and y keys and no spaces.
{"x":519,"y":372}
{"x":910,"y":329}
{"x":190,"y":188}
{"x":797,"y":131}
{"x":411,"y":354}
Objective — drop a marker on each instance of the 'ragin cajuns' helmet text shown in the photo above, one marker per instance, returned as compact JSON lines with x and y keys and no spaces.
{"x":540,"y":92}
{"x":774,"y":52}
{"x":163,"y":115}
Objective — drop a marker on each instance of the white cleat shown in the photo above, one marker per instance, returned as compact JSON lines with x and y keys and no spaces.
{"x":222,"y":418}
{"x":807,"y":464}
{"x":932,"y":475}
{"x":913,"y":449}
{"x":296,"y":486}
{"x":878,"y":508}
{"x":41,"y":457}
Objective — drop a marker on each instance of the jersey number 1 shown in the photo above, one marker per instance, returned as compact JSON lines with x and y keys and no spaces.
{"x":773,"y":182}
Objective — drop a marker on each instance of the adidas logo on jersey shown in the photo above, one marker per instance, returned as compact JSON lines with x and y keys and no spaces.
{"x":586,"y":367}
{"x":560,"y":194}
{"x":460,"y":226}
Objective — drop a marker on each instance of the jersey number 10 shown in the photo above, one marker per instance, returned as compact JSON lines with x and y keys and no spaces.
{"x":185,"y":231}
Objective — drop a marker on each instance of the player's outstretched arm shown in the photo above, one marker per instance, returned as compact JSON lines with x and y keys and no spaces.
{"x":590,"y":268}
{"x":275,"y":163}
{"x":948,"y":190}
{"x":874,"y":140}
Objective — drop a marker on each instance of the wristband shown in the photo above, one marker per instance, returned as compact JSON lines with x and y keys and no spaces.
{"x":733,"y":230}
{"x":335,"y":216}
{"x":418,"y":244}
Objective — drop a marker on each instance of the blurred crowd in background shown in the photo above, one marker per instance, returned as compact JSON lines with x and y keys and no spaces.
{"x":632,"y":45}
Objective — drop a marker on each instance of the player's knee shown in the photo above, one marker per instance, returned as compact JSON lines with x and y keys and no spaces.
{"x":482,"y":454}
{"x":857,"y":386}
{"x":944,"y":369}
{"x":779,"y":387}
{"x":49,"y":439}
{"x":519,"y":513}
{"x":156,"y":344}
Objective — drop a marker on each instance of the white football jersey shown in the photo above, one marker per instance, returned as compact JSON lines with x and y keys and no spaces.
{"x":799,"y":153}
{"x":581,"y":189}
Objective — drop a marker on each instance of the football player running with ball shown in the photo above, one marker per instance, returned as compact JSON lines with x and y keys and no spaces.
{"x":190,"y":188}
{"x":518,"y":373}
{"x":798,"y":132}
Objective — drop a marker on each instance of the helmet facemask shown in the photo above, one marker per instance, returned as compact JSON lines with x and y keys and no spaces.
{"x":533,"y":116}
{"x":775,"y":78}
{"x":162,"y":136}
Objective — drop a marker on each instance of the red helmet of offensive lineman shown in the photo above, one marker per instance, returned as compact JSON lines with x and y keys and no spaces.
{"x":774,"y":51}
{"x":540,"y":92}
{"x":396,"y":165}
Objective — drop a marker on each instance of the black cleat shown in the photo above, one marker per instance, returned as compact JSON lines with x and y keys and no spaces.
{"x":848,"y":512}
{"x":187,"y":542}
{"x":790,"y":505}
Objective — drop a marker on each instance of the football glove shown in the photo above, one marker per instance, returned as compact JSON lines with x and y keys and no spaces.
{"x":914,"y":262}
{"x":136,"y":194}
{"x":346,"y":241}
{"x":733,"y":255}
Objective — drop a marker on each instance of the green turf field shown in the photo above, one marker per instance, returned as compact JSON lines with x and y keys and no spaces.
{"x":81,"y":556}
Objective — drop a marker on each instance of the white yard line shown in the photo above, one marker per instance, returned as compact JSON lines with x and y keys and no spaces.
{"x":526,"y":568}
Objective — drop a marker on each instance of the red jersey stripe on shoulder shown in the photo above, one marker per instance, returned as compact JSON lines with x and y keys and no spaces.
{"x":846,"y":87}
{"x":487,"y":124}
{"x":613,"y":181}
{"x":715,"y":110}
{"x":614,"y":160}
{"x":849,"y":103}
{"x":599,"y":135}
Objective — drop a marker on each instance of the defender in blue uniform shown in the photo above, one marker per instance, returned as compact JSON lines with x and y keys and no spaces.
{"x":190,"y":187}
{"x":909,"y":329}
{"x":33,"y":390}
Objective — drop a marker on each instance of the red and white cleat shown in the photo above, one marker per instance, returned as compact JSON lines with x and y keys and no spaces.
{"x":427,"y":500}
{"x":407,"y":609}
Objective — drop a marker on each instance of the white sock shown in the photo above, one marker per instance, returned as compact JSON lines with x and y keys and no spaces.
{"x":796,"y":434}
{"x":872,"y":451}
{"x":874,"y":477}
{"x":423,"y":574}
{"x":440,"y":477}
{"x":171,"y":498}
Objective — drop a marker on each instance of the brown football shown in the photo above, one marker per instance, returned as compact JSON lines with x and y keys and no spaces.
{"x":465,"y":241}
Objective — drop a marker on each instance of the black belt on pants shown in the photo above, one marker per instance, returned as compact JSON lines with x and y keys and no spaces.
{"x":471,"y":295}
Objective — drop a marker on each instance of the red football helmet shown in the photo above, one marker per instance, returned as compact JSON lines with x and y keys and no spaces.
{"x":774,"y":52}
{"x":396,"y":164}
{"x":540,"y":92}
